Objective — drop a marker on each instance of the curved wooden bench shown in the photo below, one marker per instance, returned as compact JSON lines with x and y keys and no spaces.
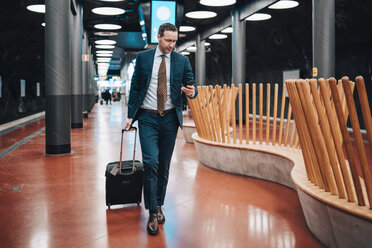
{"x":334,"y":221}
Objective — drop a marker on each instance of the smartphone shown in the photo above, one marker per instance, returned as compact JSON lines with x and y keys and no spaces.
{"x":189,"y":83}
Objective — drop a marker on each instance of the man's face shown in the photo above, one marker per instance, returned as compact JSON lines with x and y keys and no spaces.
{"x":167,"y":42}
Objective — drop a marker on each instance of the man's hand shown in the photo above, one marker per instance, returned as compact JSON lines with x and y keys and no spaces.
{"x":189,"y":90}
{"x":128,"y":124}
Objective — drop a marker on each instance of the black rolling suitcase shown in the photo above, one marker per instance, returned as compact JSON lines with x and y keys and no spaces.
{"x":124,"y":179}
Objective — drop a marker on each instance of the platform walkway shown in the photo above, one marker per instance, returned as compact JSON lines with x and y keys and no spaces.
{"x":59,"y":201}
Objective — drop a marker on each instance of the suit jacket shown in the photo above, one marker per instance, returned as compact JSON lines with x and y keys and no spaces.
{"x":180,"y":73}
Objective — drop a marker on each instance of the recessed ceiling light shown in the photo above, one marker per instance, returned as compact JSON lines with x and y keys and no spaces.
{"x":191,"y":49}
{"x":227,"y":30}
{"x":107,"y":26}
{"x":39,"y":8}
{"x":104,"y":51}
{"x":104,"y":55}
{"x":201,"y":14}
{"x":218,"y":36}
{"x":106,"y":33}
{"x":105,"y":46}
{"x":185,"y":53}
{"x":216,"y":3}
{"x":258,"y":17}
{"x":186,"y":28}
{"x":108,"y":11}
{"x":105,"y":42}
{"x":284,"y":4}
{"x":103,"y":59}
{"x":43,"y":24}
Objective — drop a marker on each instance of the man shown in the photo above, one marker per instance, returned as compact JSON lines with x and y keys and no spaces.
{"x":155,"y":100}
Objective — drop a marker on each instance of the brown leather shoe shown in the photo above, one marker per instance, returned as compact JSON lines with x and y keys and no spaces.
{"x":160,"y":215}
{"x":152,"y":225}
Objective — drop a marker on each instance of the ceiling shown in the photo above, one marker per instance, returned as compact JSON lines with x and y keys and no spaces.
{"x":22,"y":27}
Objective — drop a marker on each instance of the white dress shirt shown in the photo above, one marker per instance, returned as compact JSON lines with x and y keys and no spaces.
{"x":151,"y":99}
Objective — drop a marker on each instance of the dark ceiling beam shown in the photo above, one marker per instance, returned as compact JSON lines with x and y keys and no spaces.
{"x":246,"y":10}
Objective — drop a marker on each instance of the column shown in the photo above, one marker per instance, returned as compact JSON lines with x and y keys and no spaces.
{"x":57,"y":77}
{"x":324,"y":38}
{"x":76,"y":68}
{"x":85,"y":75}
{"x":200,"y":61}
{"x":238,"y":48}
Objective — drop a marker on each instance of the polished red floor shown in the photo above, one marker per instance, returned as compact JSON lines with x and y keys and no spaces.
{"x":59,"y":201}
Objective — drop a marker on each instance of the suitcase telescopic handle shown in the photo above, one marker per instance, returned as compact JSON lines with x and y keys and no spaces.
{"x":134,"y":149}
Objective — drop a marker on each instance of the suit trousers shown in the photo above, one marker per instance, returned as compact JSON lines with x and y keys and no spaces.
{"x":157,"y":136}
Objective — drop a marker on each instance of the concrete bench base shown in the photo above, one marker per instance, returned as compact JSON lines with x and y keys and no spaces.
{"x":335,"y":222}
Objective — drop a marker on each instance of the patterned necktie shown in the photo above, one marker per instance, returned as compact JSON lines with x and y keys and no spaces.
{"x":162,"y":85}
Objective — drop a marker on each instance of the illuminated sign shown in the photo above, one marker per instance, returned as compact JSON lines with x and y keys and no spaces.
{"x":161,"y":12}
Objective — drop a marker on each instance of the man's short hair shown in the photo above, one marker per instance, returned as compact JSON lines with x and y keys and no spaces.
{"x":166,"y":27}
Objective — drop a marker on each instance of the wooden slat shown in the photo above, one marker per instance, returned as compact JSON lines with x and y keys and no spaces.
{"x":227,"y":116}
{"x":363,"y":99}
{"x":289,"y":114}
{"x":233,"y":114}
{"x":254,"y":113}
{"x":215,"y":112}
{"x":282,"y":115}
{"x":268,"y":113}
{"x":240,"y":114}
{"x":293,"y":131}
{"x":347,"y":141}
{"x":326,"y":133}
{"x":219,"y":98}
{"x":247,"y":113}
{"x":260,"y":128}
{"x":358,"y":137}
{"x":275,"y":113}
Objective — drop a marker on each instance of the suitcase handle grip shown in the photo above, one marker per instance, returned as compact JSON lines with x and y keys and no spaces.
{"x":134,"y":149}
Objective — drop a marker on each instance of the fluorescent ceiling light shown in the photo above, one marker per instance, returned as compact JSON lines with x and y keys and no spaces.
{"x":104,"y":51}
{"x":39,"y":8}
{"x":217,"y":3}
{"x":218,"y":36}
{"x":107,"y":26}
{"x":106,"y":33}
{"x":103,"y":59}
{"x":105,"y":42}
{"x":258,"y":17}
{"x":186,"y":28}
{"x":185,"y":53}
{"x":228,"y":30}
{"x":104,"y":55}
{"x":112,"y":0}
{"x":105,"y":46}
{"x":207,"y":44}
{"x":284,"y":4}
{"x":108,"y":11}
{"x":201,"y":14}
{"x":191,"y":49}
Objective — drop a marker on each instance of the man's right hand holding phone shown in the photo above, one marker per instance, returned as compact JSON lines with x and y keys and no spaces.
{"x":189,"y":90}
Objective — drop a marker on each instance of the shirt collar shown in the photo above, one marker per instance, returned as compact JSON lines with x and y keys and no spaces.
{"x":159,"y":53}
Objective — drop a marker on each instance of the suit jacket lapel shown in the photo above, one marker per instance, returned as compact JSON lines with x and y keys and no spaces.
{"x":172,"y":64}
{"x":150,"y":61}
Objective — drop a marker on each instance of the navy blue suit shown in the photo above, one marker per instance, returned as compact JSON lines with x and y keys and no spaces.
{"x":157,"y":133}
